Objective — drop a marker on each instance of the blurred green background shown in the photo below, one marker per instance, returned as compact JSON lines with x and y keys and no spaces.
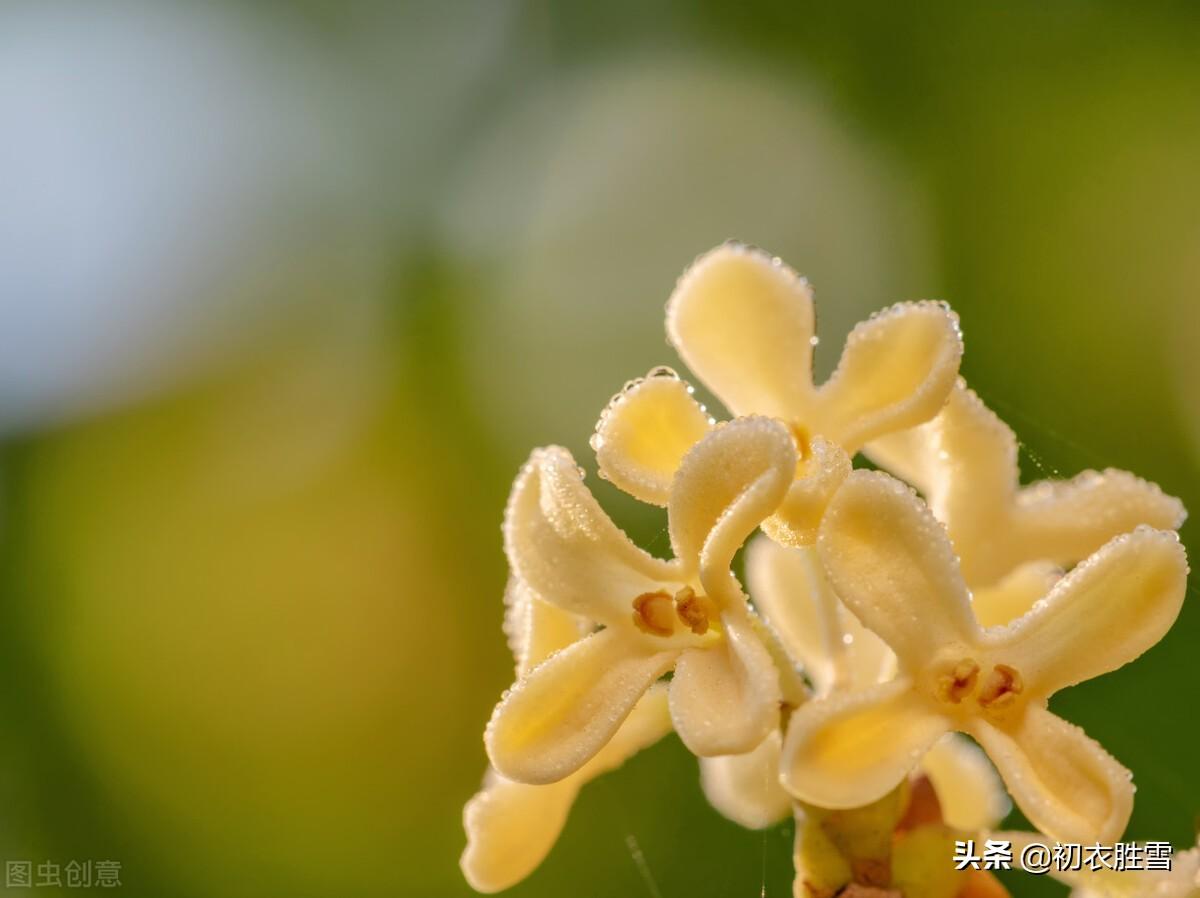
{"x":289,"y":290}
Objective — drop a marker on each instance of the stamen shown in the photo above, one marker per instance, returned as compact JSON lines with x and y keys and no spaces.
{"x":695,"y":611}
{"x":956,"y":685}
{"x":1001,"y":688}
{"x":653,"y":613}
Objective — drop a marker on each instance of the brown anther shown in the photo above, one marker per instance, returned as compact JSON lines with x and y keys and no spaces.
{"x":959,"y":682}
{"x":1000,"y":688}
{"x":654,"y":613}
{"x":695,"y":611}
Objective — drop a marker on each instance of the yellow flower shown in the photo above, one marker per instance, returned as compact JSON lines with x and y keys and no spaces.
{"x":964,"y":462}
{"x":744,"y":324}
{"x":688,"y":614}
{"x":892,"y":564}
{"x":512,"y":826}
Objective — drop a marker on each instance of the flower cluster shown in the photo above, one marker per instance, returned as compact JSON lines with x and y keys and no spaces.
{"x":888,"y":614}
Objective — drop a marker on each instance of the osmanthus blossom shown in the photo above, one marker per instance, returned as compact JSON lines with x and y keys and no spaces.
{"x":744,"y":324}
{"x":688,"y":614}
{"x":512,"y":826}
{"x":965,"y":463}
{"x":892,"y":564}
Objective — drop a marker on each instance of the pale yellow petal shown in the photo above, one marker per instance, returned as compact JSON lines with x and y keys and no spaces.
{"x":1103,"y":614}
{"x":745,"y":788}
{"x":743,"y":323}
{"x":851,"y":749}
{"x":725,"y":698}
{"x":1006,"y":600}
{"x":728,"y":482}
{"x":567,"y":550}
{"x":969,"y":790}
{"x":817,"y":479}
{"x":1063,"y":781}
{"x":896,"y":371}
{"x":512,"y":826}
{"x":893,"y":566}
{"x":537,"y":629}
{"x":557,"y":717}
{"x":644,"y":433}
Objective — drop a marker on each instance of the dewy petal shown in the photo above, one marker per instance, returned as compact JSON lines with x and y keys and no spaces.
{"x":512,"y":826}
{"x":644,"y":433}
{"x":1106,"y":612}
{"x":567,"y":550}
{"x":729,"y":481}
{"x":537,"y":629}
{"x":893,"y":566}
{"x":851,"y":749}
{"x":745,"y":788}
{"x":743,"y":323}
{"x":969,"y":790}
{"x":1063,"y":781}
{"x":725,"y":697}
{"x":1003,"y":602}
{"x":565,"y":710}
{"x":818,"y":478}
{"x":896,"y":371}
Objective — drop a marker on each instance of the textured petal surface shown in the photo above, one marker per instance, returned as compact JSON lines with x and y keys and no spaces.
{"x":1062,"y":780}
{"x":893,"y":566}
{"x":969,"y":790}
{"x":725,"y":698}
{"x":565,"y":710}
{"x":1106,"y":612}
{"x":512,"y":826}
{"x":743,"y":323}
{"x":817,"y":479}
{"x":896,"y":372}
{"x":644,"y":433}
{"x":567,"y":550}
{"x":537,"y":629}
{"x":1006,"y":600}
{"x":732,"y":479}
{"x":745,"y":788}
{"x":851,"y":749}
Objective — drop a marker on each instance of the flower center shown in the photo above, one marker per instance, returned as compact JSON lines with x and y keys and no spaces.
{"x":994,"y":691}
{"x":802,"y":439}
{"x":655,"y":613}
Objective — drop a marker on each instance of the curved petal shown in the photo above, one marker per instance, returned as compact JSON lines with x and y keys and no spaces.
{"x":818,"y":478}
{"x":725,"y":698}
{"x":512,"y":826}
{"x":1003,"y":602}
{"x":851,"y":749}
{"x":567,"y":550}
{"x":896,"y":372}
{"x":745,"y":788}
{"x":969,"y":790}
{"x":644,"y":433}
{"x":565,"y":710}
{"x":1063,"y":781}
{"x":727,"y":484}
{"x":1103,"y":614}
{"x":893,"y":566}
{"x":743,"y":323}
{"x":537,"y":629}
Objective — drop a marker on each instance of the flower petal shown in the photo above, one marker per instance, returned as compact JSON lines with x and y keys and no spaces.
{"x":567,"y":550}
{"x":893,"y":566}
{"x":1063,"y":781}
{"x":1006,"y":600}
{"x":1103,"y":614}
{"x":644,"y":433}
{"x":743,"y":323}
{"x":727,"y":484}
{"x":818,"y":478}
{"x":896,"y":372}
{"x":725,"y":698}
{"x":565,"y":710}
{"x":512,"y":826}
{"x":969,"y":790}
{"x":851,"y":749}
{"x":537,"y":629}
{"x":745,"y":788}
